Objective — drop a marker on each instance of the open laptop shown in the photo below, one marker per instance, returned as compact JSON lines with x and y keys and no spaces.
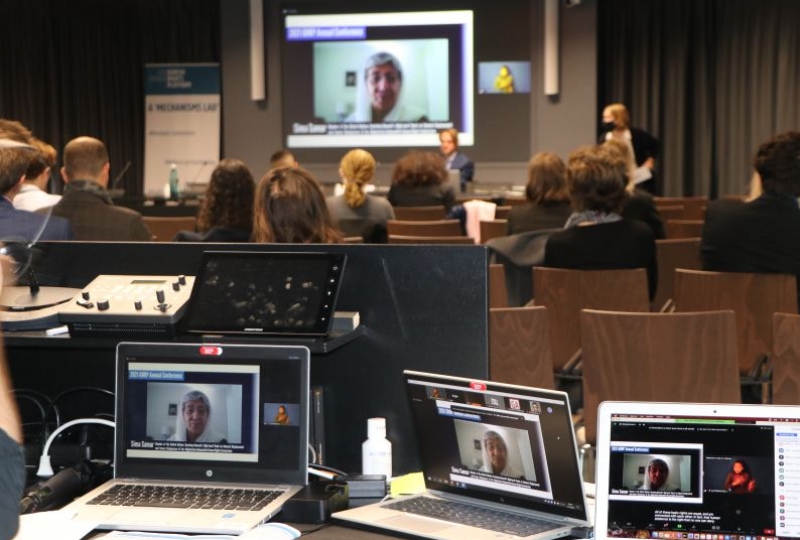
{"x":698,"y":471}
{"x":249,"y":432}
{"x":265,"y":293}
{"x":488,"y":448}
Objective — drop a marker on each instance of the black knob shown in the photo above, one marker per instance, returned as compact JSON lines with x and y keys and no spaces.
{"x":160,"y":296}
{"x":176,"y":286}
{"x":102,"y":305}
{"x":85,"y":295}
{"x":182,"y":279}
{"x":137,"y":304}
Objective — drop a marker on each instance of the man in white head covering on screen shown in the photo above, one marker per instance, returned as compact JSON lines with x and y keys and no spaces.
{"x":193,"y":420}
{"x":381,"y":97}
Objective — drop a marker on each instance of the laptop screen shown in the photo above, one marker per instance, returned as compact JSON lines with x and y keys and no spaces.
{"x":265,"y":293}
{"x":704,"y":472}
{"x":497,"y":442}
{"x":220,"y":413}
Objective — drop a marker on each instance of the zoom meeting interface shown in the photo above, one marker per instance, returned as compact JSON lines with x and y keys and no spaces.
{"x":727,"y":478}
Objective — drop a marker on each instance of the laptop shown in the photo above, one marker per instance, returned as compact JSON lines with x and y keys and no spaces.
{"x":487,"y":448}
{"x":698,"y":471}
{"x":203,"y":416}
{"x":265,"y":293}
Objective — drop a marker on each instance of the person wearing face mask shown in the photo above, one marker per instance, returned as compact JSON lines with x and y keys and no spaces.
{"x":617,"y":126}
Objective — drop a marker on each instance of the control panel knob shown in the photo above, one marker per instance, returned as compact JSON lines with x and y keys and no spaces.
{"x":176,"y":286}
{"x":85,"y":295}
{"x":137,"y":304}
{"x":182,"y":279}
{"x":160,"y":296}
{"x":103,"y":304}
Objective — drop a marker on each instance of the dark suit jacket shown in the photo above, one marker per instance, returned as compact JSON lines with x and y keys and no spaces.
{"x":467,"y":167}
{"x":430,"y":195}
{"x":640,"y":206}
{"x":534,"y":217}
{"x":762,"y":236}
{"x":94,"y":217}
{"x":24,"y":225}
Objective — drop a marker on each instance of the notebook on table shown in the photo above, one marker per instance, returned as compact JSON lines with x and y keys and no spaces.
{"x":209,"y":438}
{"x":489,"y":451}
{"x":698,"y":471}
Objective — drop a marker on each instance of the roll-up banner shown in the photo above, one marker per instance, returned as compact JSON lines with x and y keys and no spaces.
{"x":182,"y":125}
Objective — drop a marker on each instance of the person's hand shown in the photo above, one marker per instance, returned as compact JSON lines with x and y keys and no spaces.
{"x":650,"y":163}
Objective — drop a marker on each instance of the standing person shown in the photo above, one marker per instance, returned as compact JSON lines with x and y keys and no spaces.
{"x":596,"y":237}
{"x":617,"y":125}
{"x":383,"y":85}
{"x":547,"y":197}
{"x":290,"y":208}
{"x":420,"y":179}
{"x":455,"y":160}
{"x":356,"y":211}
{"x":86,"y":202}
{"x":226,"y":213}
{"x":763,"y":235}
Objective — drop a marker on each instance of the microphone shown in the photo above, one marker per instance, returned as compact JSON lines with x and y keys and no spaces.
{"x":117,"y":180}
{"x":60,"y":488}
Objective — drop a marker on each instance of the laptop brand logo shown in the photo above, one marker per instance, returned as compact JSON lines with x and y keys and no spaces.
{"x":478,"y":386}
{"x":209,"y":473}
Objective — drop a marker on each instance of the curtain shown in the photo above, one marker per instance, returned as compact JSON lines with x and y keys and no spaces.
{"x":71,"y":68}
{"x":711,"y":79}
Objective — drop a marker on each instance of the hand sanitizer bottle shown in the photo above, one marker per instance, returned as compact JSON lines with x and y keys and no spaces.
{"x":174,"y":193}
{"x":376,"y":452}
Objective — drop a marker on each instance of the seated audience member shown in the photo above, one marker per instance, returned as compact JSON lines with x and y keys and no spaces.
{"x":282,"y":158}
{"x":358,"y":213}
{"x":763,"y":235}
{"x":639,"y":204}
{"x":86,"y":202}
{"x":420,"y":179}
{"x":33,"y":194}
{"x":455,"y":160}
{"x":226,"y":214}
{"x":290,"y":208}
{"x":21,"y":225}
{"x":595,"y":235}
{"x":546,"y":194}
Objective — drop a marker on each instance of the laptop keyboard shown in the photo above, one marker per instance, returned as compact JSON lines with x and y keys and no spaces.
{"x":201,"y":498}
{"x":482,"y":518}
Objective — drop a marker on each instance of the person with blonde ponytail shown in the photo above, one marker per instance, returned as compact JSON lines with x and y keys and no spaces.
{"x":357,"y":212}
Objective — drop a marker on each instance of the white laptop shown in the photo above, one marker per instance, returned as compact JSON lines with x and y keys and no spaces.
{"x":488,"y":449}
{"x":203,"y":416}
{"x":698,"y":471}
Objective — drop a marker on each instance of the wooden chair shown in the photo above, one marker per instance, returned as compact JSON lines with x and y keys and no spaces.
{"x":515,"y":201}
{"x":419,"y":213}
{"x":566,"y":292}
{"x":693,"y":207}
{"x":404,"y":239}
{"x":786,"y":359}
{"x":670,"y":212}
{"x":498,"y":294}
{"x":754,"y":298}
{"x":353,"y":240}
{"x":683,"y":228}
{"x":683,"y":357}
{"x":493,"y":229}
{"x":519,"y":347}
{"x":444,"y":227}
{"x":164,"y":229}
{"x":672,"y":254}
{"x":501,"y":212}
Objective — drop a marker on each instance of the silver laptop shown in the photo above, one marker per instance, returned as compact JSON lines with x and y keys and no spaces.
{"x":698,"y":471}
{"x":488,"y":450}
{"x":193,"y":419}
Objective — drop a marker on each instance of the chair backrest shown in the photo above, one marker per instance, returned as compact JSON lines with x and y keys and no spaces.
{"x":404,"y":239}
{"x":670,"y":212}
{"x":566,"y":292}
{"x":419,"y":213}
{"x":519,"y":347}
{"x":443,"y":227}
{"x":498,"y":294}
{"x":693,"y":207}
{"x":353,"y":240}
{"x":164,"y":229}
{"x":493,"y":229}
{"x":515,"y":201}
{"x":786,"y":359}
{"x":683,"y":228}
{"x":672,"y":254}
{"x":682,"y":357}
{"x":501,"y":212}
{"x":753,"y":297}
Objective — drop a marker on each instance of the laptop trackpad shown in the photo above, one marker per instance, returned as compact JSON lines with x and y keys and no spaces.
{"x":146,"y":515}
{"x":414,"y":524}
